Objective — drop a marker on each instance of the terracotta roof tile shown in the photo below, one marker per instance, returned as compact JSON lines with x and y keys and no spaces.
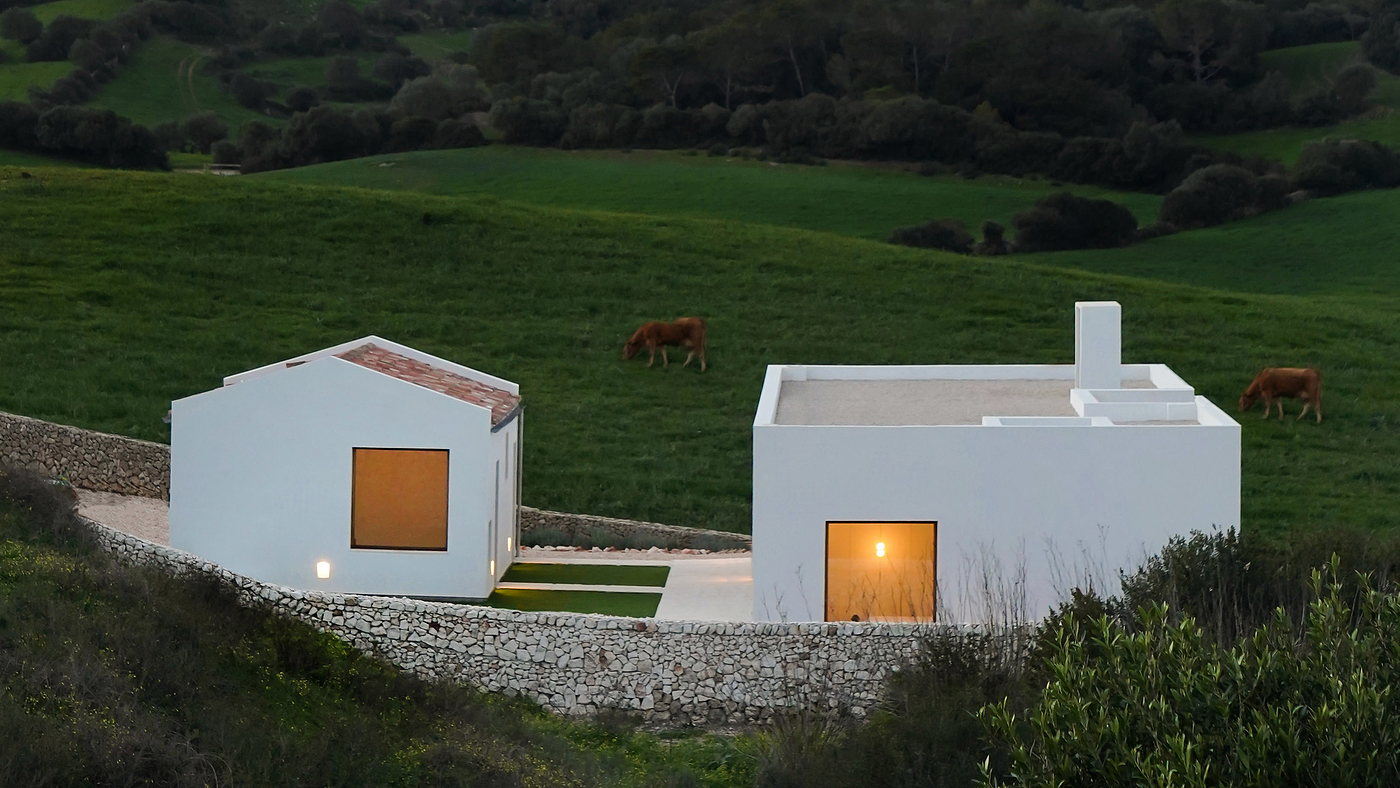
{"x":371,"y":356}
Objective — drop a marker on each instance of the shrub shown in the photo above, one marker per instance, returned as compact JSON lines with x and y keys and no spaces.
{"x":1381,"y":43}
{"x":57,"y":39}
{"x":204,"y":130}
{"x":1064,"y":221}
{"x":302,"y":98}
{"x":523,"y":120}
{"x":993,"y":240}
{"x":17,"y":122}
{"x":1213,"y":195}
{"x":1161,"y":704}
{"x":1337,"y":166}
{"x":397,"y":69}
{"x":225,"y":152}
{"x":323,"y":134}
{"x":946,"y":234}
{"x":249,"y":91}
{"x":411,"y":133}
{"x":20,"y":24}
{"x":458,"y":133}
{"x":100,"y":136}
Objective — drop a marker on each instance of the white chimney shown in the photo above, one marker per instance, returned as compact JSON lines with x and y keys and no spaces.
{"x":1098,"y":345}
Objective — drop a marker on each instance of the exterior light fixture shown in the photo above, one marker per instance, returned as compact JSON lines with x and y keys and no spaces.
{"x":323,"y":569}
{"x":493,"y":567}
{"x":508,"y":547}
{"x":879,"y":549}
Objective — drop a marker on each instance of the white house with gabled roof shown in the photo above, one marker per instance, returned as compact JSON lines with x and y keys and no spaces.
{"x":923,"y":492}
{"x":368,"y":467}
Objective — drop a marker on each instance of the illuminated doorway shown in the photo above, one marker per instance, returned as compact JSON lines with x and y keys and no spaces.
{"x":881,"y":571}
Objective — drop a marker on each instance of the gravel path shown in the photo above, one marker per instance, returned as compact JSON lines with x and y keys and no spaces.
{"x":147,"y":518}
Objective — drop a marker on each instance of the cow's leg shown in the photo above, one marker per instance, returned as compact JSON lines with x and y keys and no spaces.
{"x":1306,"y":404}
{"x":652,"y":358}
{"x":688,"y":357}
{"x":665,"y":362}
{"x":1280,"y":408}
{"x":1268,"y":407}
{"x":1317,"y":408}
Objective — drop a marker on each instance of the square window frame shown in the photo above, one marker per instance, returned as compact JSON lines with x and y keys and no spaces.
{"x":447,"y":507}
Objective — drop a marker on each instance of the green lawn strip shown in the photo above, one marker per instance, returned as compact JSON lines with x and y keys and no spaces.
{"x":124,"y":291}
{"x":857,"y":200}
{"x":587,"y":574}
{"x":83,"y":9}
{"x":611,"y":603}
{"x":17,"y":78}
{"x":165,"y":80}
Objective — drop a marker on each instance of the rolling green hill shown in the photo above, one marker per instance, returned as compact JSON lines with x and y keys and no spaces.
{"x":158,"y":285}
{"x":165,"y":81}
{"x":862,"y":201}
{"x":1306,"y":67}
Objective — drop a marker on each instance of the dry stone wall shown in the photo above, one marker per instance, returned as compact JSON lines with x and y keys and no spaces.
{"x":571,"y":525}
{"x":92,"y":460}
{"x":672,"y":673}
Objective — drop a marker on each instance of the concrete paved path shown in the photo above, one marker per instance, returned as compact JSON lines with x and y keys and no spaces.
{"x":717,"y":589}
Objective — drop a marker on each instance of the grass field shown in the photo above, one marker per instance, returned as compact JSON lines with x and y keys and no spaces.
{"x":165,"y":81}
{"x":588,"y":574}
{"x":1306,"y":67}
{"x":861,"y":201}
{"x":608,"y":603}
{"x":84,"y":9}
{"x":437,"y":46}
{"x":158,"y":285}
{"x":14,"y":158}
{"x":294,"y":71}
{"x":17,"y":78}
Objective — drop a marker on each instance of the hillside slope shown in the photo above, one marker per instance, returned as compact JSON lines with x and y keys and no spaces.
{"x":127,"y":290}
{"x":865,"y":201}
{"x":111,"y":675}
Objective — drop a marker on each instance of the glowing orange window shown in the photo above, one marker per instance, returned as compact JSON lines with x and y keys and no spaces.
{"x":400,"y":499}
{"x":881,"y":571}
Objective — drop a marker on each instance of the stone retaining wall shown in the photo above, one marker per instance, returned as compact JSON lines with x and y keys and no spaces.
{"x":92,"y":460}
{"x":668,"y":672}
{"x":572,"y":525}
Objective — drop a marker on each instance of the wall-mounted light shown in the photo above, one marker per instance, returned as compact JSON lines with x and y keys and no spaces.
{"x":879,"y":549}
{"x":493,"y":567}
{"x":323,"y":569}
{"x":508,"y":544}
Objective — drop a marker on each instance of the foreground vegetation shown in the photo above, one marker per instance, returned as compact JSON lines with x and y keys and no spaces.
{"x":159,"y":286}
{"x":112,"y":675}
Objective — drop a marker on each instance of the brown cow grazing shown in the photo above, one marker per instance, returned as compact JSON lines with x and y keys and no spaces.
{"x":688,"y":332}
{"x":1275,"y":383}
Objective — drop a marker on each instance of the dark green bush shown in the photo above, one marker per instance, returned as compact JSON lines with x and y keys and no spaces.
{"x":1337,"y":166}
{"x":1064,"y":221}
{"x":20,"y":24}
{"x":1212,"y":195}
{"x":458,"y":133}
{"x":1163,"y":704}
{"x":544,"y":537}
{"x":947,"y":234}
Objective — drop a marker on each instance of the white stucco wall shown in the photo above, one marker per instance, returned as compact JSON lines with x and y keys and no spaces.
{"x":261,"y":475}
{"x":1057,"y":501}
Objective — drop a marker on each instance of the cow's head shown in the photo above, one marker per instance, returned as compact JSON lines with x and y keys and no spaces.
{"x":1248,"y":398}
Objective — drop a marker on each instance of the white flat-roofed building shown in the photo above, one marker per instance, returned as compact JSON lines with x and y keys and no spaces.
{"x":910,"y":492}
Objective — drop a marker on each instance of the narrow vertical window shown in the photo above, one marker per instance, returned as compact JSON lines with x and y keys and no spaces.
{"x":399,"y":500}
